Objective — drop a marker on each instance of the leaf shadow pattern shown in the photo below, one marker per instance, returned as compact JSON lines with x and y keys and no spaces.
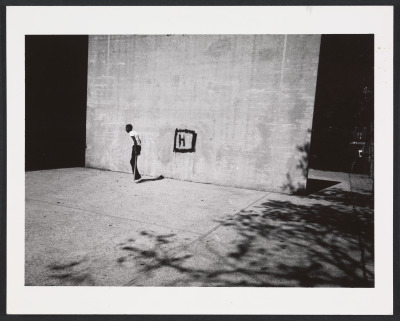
{"x":318,"y":241}
{"x":309,"y":245}
{"x":146,"y":255}
{"x":298,"y":188}
{"x":72,"y":273}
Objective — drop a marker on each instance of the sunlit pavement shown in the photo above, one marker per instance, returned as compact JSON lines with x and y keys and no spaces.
{"x":92,"y":227}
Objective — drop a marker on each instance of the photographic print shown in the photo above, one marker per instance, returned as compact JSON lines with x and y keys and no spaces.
{"x":199,"y":160}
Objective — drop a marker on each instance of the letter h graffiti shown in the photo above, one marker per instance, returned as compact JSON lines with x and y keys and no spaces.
{"x":185,"y":141}
{"x":181,"y":140}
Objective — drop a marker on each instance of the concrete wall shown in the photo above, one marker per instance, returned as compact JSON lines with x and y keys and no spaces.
{"x":249,"y":98}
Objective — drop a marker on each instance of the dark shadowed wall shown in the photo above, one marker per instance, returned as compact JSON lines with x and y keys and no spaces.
{"x":249,"y":99}
{"x":55,"y":108}
{"x":344,"y":100}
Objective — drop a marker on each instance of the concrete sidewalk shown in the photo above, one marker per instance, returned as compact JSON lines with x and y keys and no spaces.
{"x":92,"y":227}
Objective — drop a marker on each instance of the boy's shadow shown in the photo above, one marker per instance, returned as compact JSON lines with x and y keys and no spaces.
{"x":143,"y":180}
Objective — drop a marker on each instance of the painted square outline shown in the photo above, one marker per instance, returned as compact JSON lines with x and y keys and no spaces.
{"x":194,"y":137}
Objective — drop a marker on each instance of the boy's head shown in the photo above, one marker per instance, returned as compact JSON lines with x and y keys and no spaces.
{"x":128,"y":128}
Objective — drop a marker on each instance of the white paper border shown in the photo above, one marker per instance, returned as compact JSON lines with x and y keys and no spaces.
{"x":200,"y":20}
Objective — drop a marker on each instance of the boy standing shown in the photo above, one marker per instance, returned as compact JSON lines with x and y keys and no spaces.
{"x":136,"y":148}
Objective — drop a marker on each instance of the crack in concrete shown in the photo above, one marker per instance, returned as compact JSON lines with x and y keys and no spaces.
{"x":184,"y":248}
{"x":113,"y":216}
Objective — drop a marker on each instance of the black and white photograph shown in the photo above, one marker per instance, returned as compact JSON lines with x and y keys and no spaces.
{"x":164,"y":159}
{"x":199,"y":160}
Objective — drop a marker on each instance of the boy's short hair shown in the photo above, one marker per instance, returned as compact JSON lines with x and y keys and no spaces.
{"x":129,"y":126}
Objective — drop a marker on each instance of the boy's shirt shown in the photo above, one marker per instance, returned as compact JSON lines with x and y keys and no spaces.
{"x":134,"y":134}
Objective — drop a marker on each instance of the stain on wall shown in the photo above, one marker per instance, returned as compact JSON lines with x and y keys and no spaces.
{"x":249,"y":99}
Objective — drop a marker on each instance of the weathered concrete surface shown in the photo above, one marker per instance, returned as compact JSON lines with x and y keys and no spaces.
{"x":249,"y":98}
{"x":81,"y":223}
{"x":321,"y":240}
{"x":91,"y":227}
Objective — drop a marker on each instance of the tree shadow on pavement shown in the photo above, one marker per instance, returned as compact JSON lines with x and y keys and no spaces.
{"x":321,"y":236}
{"x":72,"y":273}
{"x":321,"y":240}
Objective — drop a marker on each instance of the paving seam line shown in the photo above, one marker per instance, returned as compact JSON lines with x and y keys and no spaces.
{"x":118,"y":217}
{"x":184,"y":248}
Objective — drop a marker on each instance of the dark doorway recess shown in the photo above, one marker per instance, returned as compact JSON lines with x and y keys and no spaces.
{"x":55,"y":105}
{"x":344,"y":104}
